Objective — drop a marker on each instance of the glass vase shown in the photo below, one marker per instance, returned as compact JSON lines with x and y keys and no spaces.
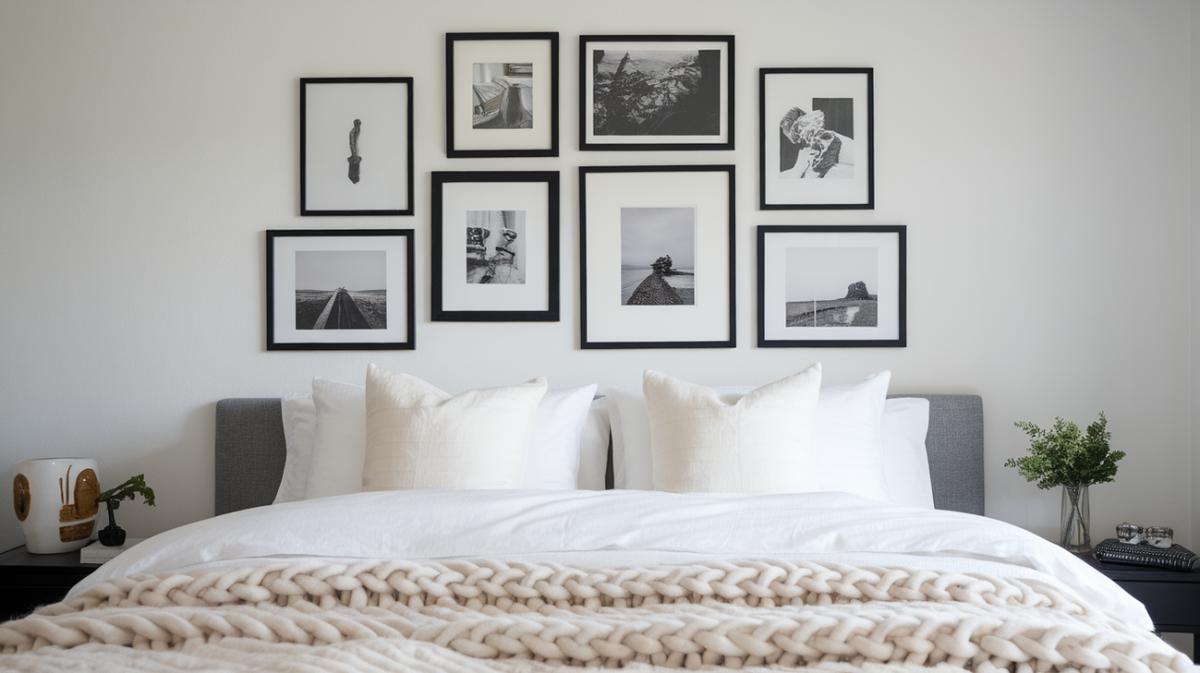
{"x":1076,"y":520}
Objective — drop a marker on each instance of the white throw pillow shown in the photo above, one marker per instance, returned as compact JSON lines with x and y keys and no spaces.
{"x":848,"y":437}
{"x":419,"y":436}
{"x":593,"y":446}
{"x":299,"y":422}
{"x":905,"y":459}
{"x":556,"y":445}
{"x":759,"y":443}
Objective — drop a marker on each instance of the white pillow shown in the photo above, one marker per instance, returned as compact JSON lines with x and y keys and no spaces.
{"x":556,"y":446}
{"x":593,"y":447}
{"x":760,"y":443}
{"x":905,"y":460}
{"x":299,"y":422}
{"x":419,"y":436}
{"x":848,"y":438}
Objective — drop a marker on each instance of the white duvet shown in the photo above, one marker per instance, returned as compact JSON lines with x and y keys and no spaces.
{"x":620,"y":529}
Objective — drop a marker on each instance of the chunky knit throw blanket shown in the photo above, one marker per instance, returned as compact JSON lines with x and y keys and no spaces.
{"x":488,"y":616}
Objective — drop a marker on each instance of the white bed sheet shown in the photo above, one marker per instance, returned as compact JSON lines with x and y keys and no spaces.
{"x":620,"y":529}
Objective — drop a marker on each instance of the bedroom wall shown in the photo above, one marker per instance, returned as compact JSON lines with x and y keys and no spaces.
{"x":1034,"y":150}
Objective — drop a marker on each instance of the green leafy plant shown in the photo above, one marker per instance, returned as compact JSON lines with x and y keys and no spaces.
{"x":1064,"y":456}
{"x":133,"y":487}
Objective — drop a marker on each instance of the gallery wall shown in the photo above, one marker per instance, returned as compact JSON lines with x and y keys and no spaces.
{"x":1033,"y":150}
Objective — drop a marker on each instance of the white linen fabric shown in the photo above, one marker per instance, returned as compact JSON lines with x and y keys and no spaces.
{"x":339,"y":441}
{"x":593,"y":447}
{"x":619,"y":529}
{"x":904,"y":426}
{"x":419,"y":436}
{"x":759,"y":443}
{"x":848,"y":438}
{"x":299,"y":423}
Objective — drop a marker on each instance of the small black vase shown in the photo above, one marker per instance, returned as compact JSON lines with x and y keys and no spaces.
{"x":112,"y":535}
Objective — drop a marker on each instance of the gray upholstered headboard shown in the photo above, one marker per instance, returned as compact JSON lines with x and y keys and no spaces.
{"x":250,"y":451}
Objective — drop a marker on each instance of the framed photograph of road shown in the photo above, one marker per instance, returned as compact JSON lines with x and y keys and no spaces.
{"x":494,"y":249}
{"x":656,"y":92}
{"x":348,"y":289}
{"x":501,"y":95}
{"x":656,"y":256}
{"x":816,"y":138}
{"x":831,"y":286}
{"x":356,"y":146}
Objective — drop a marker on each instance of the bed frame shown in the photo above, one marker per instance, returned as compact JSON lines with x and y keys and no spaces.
{"x":250,"y":452}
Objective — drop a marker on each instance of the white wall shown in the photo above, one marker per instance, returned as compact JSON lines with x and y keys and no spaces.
{"x":1034,"y":150}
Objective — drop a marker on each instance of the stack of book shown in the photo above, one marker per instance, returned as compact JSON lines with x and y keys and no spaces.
{"x":98,"y":553}
{"x":1174,"y":557}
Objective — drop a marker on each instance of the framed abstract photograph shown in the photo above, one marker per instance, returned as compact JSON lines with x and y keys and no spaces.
{"x":494,"y":246}
{"x":656,"y":248}
{"x":501,"y":95}
{"x":656,"y":92}
{"x":816,"y":138}
{"x":356,"y":146}
{"x":345,"y":289}
{"x":831,"y":286}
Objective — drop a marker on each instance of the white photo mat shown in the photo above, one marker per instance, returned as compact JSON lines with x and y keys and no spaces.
{"x":465,"y":54}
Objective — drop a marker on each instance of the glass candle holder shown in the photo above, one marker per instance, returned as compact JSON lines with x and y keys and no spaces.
{"x":1129,"y":533}
{"x":1159,"y":536}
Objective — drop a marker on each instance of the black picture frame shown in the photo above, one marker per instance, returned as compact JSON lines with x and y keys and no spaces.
{"x":319,"y":277}
{"x":808,"y":161}
{"x":521,"y":209}
{"x":620,"y":116}
{"x":800,"y":271}
{"x":639,"y":219}
{"x":502,"y":94}
{"x":336,"y":113}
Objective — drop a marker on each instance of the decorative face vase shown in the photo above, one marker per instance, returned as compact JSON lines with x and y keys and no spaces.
{"x":55,"y":503}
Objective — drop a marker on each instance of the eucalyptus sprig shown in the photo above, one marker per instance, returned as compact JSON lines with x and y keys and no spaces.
{"x":1063,"y":456}
{"x":129,"y":490}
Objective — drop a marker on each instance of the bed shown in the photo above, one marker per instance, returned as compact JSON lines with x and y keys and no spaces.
{"x":537,"y":579}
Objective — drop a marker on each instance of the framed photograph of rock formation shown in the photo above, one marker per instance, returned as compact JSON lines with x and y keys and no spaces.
{"x":501,"y":95}
{"x":495,"y":246}
{"x":831,"y":286}
{"x":656,"y":92}
{"x":340,"y":289}
{"x":816,"y":138}
{"x":656,"y":256}
{"x":356,"y":146}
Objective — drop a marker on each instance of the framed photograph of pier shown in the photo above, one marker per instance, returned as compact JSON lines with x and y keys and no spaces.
{"x":816,"y":138}
{"x":340,"y":289}
{"x":656,"y":256}
{"x":356,"y":146}
{"x":831,"y":286}
{"x":494,"y":248}
{"x":501,"y":95}
{"x":656,"y":92}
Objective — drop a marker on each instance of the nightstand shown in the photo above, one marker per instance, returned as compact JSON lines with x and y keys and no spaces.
{"x":1171,"y":597}
{"x":30,"y":580}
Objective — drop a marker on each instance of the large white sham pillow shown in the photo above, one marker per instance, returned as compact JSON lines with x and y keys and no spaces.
{"x":299,"y":423}
{"x":419,"y":436}
{"x":904,"y":427}
{"x":568,"y":430}
{"x":762,"y":442}
{"x":848,"y":437}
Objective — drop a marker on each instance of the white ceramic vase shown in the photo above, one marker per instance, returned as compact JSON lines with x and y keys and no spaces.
{"x":55,"y":503}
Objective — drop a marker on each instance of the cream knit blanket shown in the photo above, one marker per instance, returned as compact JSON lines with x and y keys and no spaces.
{"x":480,"y":615}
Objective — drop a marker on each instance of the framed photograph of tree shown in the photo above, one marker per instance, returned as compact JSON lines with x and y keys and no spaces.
{"x":656,"y":248}
{"x":656,"y":92}
{"x":816,"y":138}
{"x":345,"y":289}
{"x":831,"y":286}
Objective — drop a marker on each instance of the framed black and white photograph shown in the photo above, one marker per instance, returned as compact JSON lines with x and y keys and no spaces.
{"x":356,"y":146}
{"x":501,"y":95}
{"x":656,"y":92}
{"x":816,"y":138}
{"x":831,"y":286}
{"x":656,"y":248}
{"x":494,"y":248}
{"x":346,"y":289}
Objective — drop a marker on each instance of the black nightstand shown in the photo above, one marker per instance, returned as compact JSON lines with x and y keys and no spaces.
{"x":30,"y":580}
{"x":1171,"y":597}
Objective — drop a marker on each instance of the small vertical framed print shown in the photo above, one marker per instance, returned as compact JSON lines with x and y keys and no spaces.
{"x":656,"y":92}
{"x":816,"y":138}
{"x":831,"y":286}
{"x":356,"y":146}
{"x":656,"y":248}
{"x":494,"y":251}
{"x":348,"y":289}
{"x":501,"y":95}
